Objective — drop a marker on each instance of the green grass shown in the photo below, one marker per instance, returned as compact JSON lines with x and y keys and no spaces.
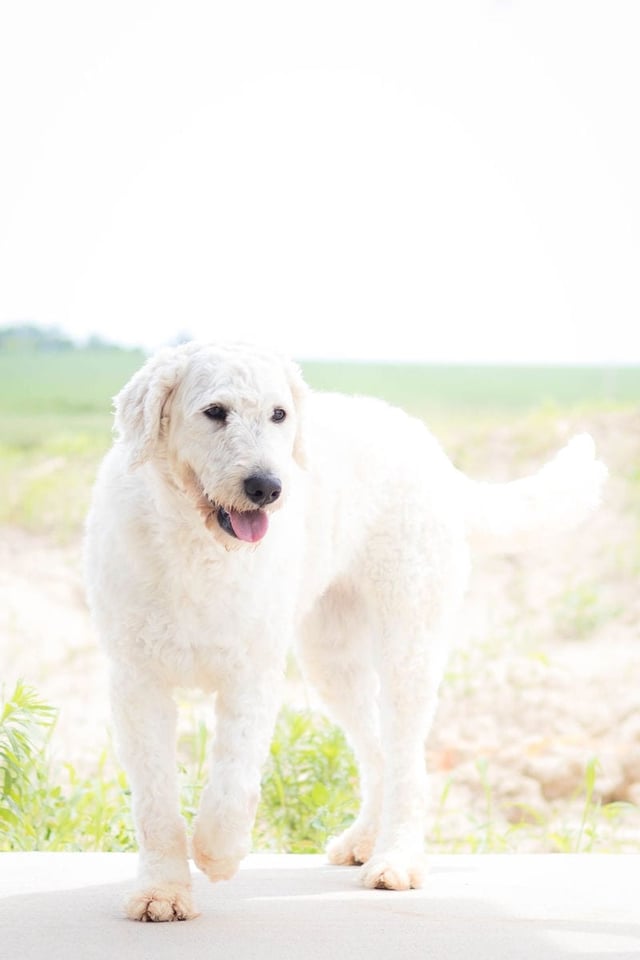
{"x":424,"y":389}
{"x":592,"y":827}
{"x":55,"y":425}
{"x":81,"y":383}
{"x":309,"y":790}
{"x":580,"y":610}
{"x":309,"y":793}
{"x":48,"y":808}
{"x":76,"y":382}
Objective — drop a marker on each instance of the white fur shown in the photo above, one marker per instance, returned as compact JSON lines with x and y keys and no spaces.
{"x":364,"y":566}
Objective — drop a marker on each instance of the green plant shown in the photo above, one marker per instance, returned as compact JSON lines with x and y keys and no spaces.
{"x":25,"y":722}
{"x":309,"y":786}
{"x":308,"y":794}
{"x":580,"y":610}
{"x":587,"y":823}
{"x":43,"y":810}
{"x":192,"y":750}
{"x":598,"y":823}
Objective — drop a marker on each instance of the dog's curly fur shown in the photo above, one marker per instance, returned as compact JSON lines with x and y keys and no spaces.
{"x":354,"y":547}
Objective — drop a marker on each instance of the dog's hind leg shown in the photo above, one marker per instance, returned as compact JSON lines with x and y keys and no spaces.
{"x":334,"y":650}
{"x":408,"y":699}
{"x":144,"y":718}
{"x":411,"y":661}
{"x":416,"y":612}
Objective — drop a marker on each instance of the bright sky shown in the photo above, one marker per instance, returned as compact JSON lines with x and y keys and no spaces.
{"x":404,"y":180}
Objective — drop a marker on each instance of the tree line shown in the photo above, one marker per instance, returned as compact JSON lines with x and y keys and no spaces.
{"x":30,"y":337}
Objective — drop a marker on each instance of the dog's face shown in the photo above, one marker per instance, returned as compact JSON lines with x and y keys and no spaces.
{"x":225,"y":424}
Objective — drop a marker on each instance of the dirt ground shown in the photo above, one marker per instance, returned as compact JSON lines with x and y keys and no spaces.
{"x":544,"y":674}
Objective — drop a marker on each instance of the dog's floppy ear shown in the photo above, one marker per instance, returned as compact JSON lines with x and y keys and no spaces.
{"x":299,"y":391}
{"x":140,"y":405}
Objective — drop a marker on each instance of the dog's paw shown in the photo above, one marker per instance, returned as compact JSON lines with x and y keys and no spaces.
{"x":393,"y":871}
{"x":354,"y":846}
{"x":216,"y":851}
{"x":161,"y":903}
{"x":216,"y":868}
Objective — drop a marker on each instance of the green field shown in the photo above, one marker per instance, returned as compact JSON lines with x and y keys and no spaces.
{"x":82,"y":382}
{"x":46,"y":397}
{"x":425,"y":389}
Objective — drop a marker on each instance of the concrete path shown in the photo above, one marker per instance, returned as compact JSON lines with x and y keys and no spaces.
{"x":69,"y":907}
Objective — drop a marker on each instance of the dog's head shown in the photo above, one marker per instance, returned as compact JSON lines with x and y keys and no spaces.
{"x":224,"y":423}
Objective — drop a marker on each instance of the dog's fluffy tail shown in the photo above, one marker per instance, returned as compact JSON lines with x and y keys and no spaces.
{"x":555,"y":499}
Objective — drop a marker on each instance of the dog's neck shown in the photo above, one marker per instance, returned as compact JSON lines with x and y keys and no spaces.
{"x":178,"y":482}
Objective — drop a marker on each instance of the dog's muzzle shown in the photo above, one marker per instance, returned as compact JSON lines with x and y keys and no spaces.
{"x":262,"y":489}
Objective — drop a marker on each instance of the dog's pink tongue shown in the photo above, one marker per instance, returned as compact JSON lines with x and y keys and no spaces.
{"x":250,"y":526}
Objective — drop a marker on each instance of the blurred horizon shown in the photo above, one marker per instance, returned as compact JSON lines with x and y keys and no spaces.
{"x":29,"y":337}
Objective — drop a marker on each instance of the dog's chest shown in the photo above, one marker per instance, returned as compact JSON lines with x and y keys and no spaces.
{"x":219,"y":618}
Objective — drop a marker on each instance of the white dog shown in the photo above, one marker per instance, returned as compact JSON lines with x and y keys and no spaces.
{"x":239,"y":511}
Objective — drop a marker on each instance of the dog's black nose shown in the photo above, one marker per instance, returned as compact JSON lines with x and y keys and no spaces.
{"x":262,"y":489}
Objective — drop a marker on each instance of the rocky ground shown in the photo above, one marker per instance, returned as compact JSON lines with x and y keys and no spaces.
{"x":544,"y":682}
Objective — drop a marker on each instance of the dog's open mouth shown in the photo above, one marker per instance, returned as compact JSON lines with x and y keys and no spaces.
{"x":249,"y":525}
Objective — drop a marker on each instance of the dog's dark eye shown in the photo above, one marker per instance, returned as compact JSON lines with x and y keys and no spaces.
{"x":216,"y":412}
{"x":278,"y":415}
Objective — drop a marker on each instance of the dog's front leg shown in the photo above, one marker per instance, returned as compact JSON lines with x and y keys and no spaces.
{"x":144,"y":717}
{"x":246,"y":713}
